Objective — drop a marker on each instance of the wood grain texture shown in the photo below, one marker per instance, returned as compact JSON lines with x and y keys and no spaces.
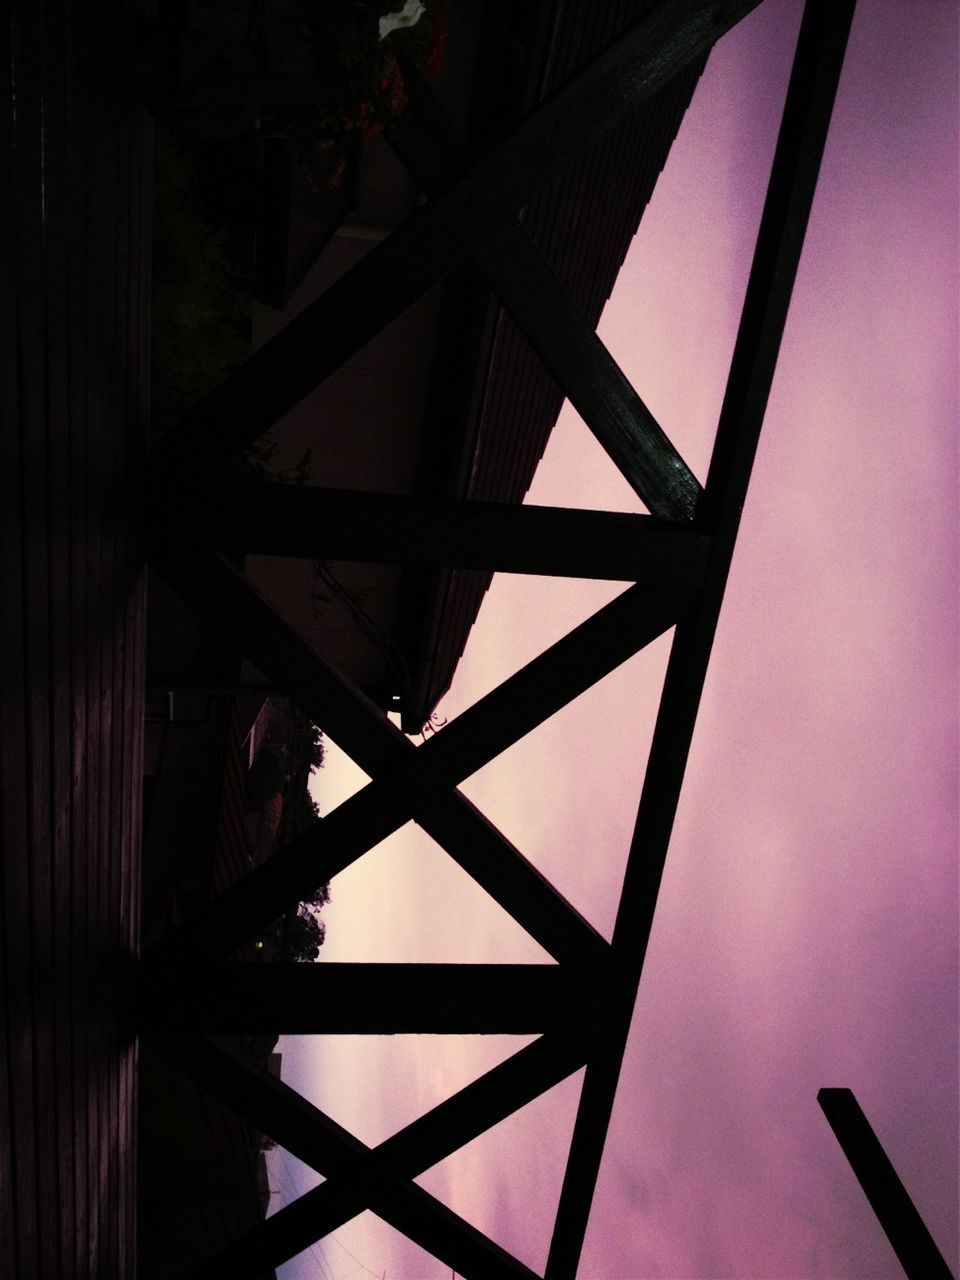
{"x":74,"y":150}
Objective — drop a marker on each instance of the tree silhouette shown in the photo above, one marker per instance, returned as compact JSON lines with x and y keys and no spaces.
{"x":303,"y":935}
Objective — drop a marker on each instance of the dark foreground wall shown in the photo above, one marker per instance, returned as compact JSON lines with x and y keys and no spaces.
{"x":74,"y":159}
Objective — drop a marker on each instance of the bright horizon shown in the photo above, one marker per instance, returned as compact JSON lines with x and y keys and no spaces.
{"x":806,"y":932}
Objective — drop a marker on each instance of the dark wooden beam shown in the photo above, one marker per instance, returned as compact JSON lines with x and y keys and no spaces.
{"x":428,"y":775}
{"x":231,"y":606}
{"x":361,"y":1178}
{"x":372,"y":999}
{"x":433,"y":150}
{"x":803,"y":131}
{"x":388,"y":528}
{"x":588,"y":374}
{"x":422,"y":251}
{"x":302,"y":1223}
{"x":896,"y":1212}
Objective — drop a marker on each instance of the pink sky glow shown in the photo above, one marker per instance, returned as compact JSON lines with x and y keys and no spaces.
{"x":807,"y":929}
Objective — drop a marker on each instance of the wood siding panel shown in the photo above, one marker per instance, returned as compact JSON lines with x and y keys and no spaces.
{"x":72,"y":281}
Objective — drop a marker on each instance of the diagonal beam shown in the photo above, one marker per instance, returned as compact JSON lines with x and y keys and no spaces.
{"x":889,"y":1200}
{"x":422,"y":1218}
{"x":358,"y":1177}
{"x":433,"y":150}
{"x":373,"y":999}
{"x":422,"y":251}
{"x":591,"y":379}
{"x":228,"y":603}
{"x":415,"y":787}
{"x":802,"y":137}
{"x":388,"y":528}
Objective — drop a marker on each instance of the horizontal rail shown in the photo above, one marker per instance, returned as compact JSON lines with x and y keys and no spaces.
{"x":386,"y":528}
{"x":372,"y":999}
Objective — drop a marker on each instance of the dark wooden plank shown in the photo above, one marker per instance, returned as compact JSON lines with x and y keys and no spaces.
{"x":114,"y":427}
{"x":82,"y":795}
{"x":94,"y":778}
{"x":417,"y":784}
{"x":132,"y":310}
{"x":75,"y":445}
{"x":590,"y":377}
{"x":125,"y":725}
{"x":231,"y":606}
{"x":58,"y":214}
{"x":500,"y":868}
{"x":62,"y":1182}
{"x":379,"y":1179}
{"x":127,"y":697}
{"x":425,"y":249}
{"x":17,"y":1174}
{"x":419,"y":1216}
{"x":388,"y":528}
{"x":31,"y":612}
{"x":813,"y":84}
{"x":19,"y":1137}
{"x":373,"y":999}
{"x":100,"y":372}
{"x":889,"y":1200}
{"x":11,"y":713}
{"x":139,"y":161}
{"x":431,"y":147}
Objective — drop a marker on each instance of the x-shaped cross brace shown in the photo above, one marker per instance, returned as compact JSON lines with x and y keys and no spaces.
{"x":360,"y":1177}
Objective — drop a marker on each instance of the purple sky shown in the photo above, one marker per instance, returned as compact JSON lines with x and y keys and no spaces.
{"x":807,"y":931}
